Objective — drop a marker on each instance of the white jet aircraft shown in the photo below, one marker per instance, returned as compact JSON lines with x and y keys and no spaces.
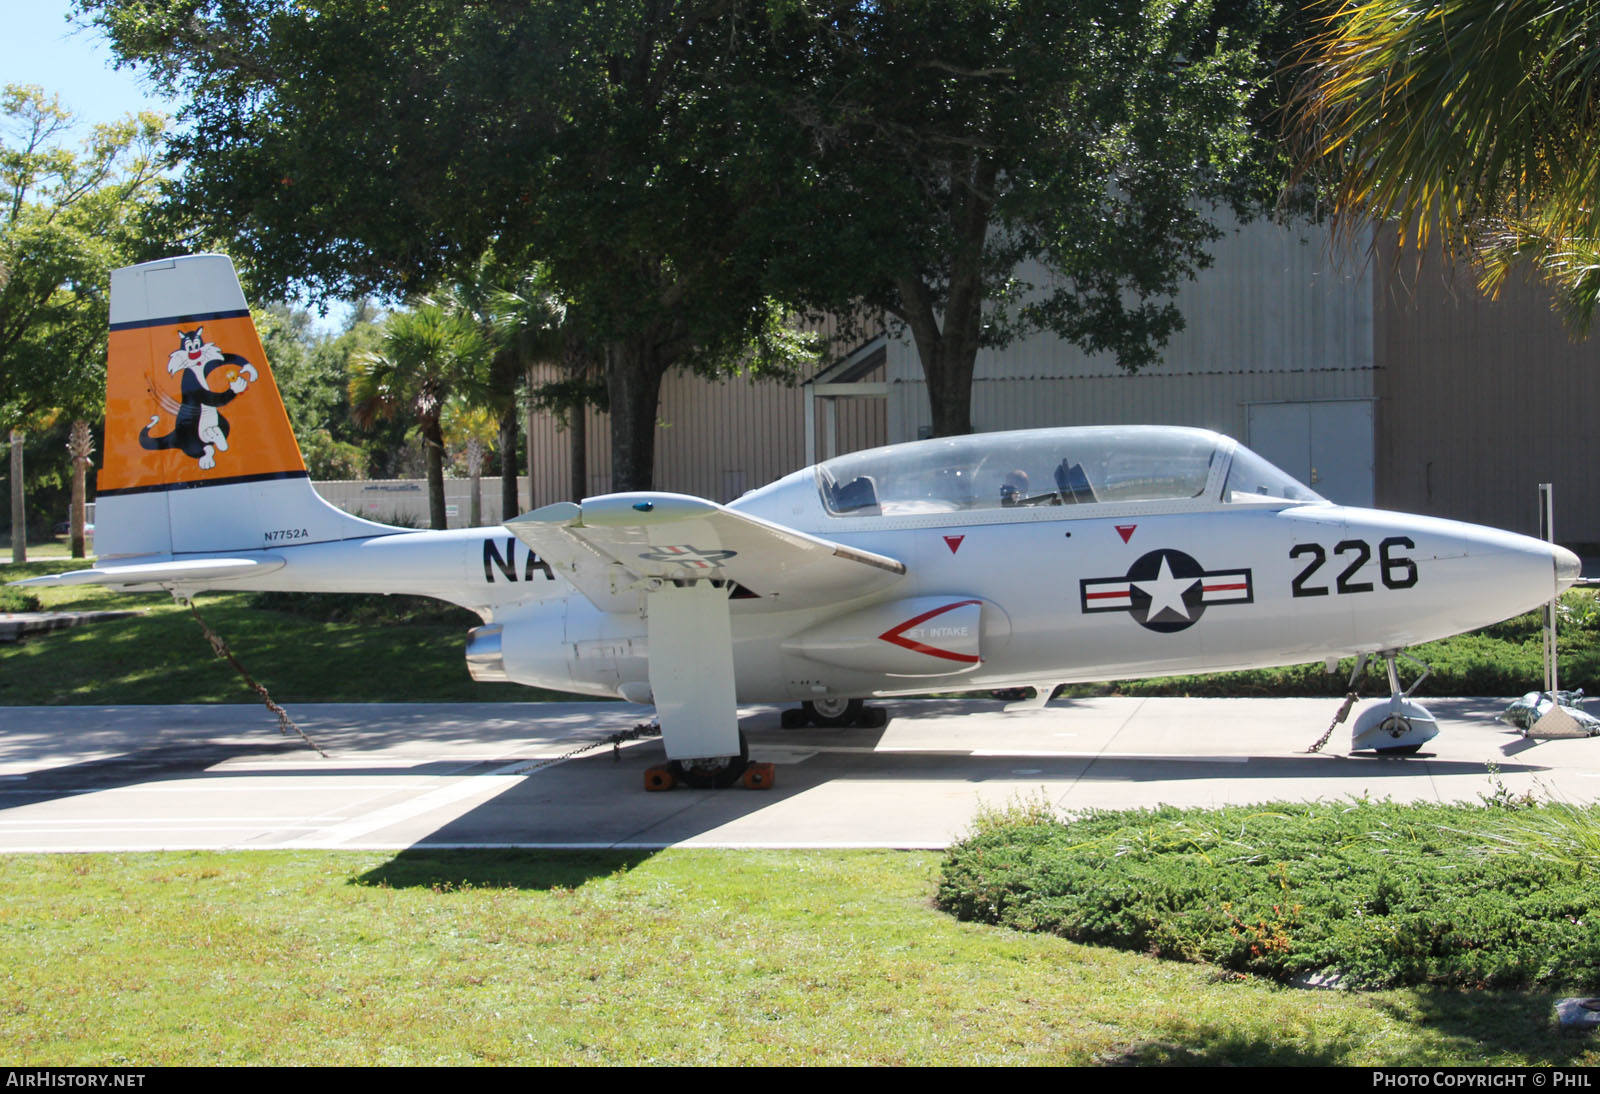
{"x":998,"y":560}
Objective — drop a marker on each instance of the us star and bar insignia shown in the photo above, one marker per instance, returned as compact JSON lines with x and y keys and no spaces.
{"x":687,"y":555}
{"x":1166,"y":590}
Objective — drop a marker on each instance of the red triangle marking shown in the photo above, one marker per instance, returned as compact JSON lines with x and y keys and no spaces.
{"x":953,"y":542}
{"x":1126,"y":531}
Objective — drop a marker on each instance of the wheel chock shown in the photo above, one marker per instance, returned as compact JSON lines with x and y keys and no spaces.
{"x":759,"y":776}
{"x":659,"y":777}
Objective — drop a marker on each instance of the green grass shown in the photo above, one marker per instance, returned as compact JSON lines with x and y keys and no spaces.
{"x":677,"y":957}
{"x":57,"y":547}
{"x":301,"y":648}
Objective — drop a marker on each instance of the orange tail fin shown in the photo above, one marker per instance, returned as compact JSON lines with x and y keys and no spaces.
{"x":199,"y":454}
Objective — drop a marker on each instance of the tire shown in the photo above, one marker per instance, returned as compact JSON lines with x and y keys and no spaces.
{"x":834,"y":712}
{"x":714,"y":775}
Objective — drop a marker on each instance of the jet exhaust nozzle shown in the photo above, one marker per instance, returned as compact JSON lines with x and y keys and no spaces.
{"x":485,"y":662}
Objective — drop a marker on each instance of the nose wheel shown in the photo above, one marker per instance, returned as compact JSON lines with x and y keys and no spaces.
{"x":1395,"y":726}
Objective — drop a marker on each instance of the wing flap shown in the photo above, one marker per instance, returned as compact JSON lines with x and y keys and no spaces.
{"x":610,"y":546}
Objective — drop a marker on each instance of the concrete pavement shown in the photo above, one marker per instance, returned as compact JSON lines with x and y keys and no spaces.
{"x":403,"y":775}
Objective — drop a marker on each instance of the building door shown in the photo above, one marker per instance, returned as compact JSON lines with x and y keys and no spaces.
{"x":1326,"y":445}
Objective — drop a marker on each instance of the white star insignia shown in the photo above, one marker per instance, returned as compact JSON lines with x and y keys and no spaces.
{"x":1166,"y":591}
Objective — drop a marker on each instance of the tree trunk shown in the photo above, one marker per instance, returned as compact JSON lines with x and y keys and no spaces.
{"x":533,"y":479}
{"x":578,"y":426}
{"x":509,"y":505}
{"x":81,"y":447}
{"x":475,"y":475}
{"x":19,"y":520}
{"x":633,"y":384}
{"x":949,"y":353}
{"x":950,"y":389}
{"x":948,"y":358}
{"x":433,"y":453}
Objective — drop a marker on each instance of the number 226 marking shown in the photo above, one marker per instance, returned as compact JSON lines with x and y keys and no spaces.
{"x":1396,"y":570}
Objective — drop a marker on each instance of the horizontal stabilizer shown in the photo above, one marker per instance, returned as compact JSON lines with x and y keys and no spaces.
{"x":610,"y":545}
{"x":162,"y":572}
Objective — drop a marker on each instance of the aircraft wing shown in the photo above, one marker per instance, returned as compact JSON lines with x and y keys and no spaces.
{"x":160,"y":572}
{"x":613,"y":546}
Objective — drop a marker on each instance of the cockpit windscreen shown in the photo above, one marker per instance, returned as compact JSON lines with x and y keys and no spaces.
{"x":1048,"y":467}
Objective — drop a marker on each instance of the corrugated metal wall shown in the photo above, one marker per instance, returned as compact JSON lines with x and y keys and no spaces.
{"x":1279,"y":316}
{"x":405,"y":501}
{"x":713,"y":439}
{"x":1480,"y":401}
{"x":1212,"y":400}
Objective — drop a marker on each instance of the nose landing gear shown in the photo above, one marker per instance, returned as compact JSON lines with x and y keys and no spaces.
{"x":1392,"y":727}
{"x":1396,"y":726}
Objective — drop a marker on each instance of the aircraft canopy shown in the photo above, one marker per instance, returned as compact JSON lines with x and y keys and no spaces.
{"x":1044,"y":467}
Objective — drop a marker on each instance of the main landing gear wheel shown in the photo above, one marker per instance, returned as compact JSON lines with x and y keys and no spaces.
{"x":834,"y":714}
{"x":831,"y":713}
{"x":714,"y":773}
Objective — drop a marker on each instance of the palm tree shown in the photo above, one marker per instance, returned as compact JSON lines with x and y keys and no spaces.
{"x":522,"y":318}
{"x":471,"y":430}
{"x":531,"y":326}
{"x":1477,"y":118}
{"x":424,"y":356}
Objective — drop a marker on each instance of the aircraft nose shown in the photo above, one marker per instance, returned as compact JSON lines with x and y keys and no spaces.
{"x":1568,"y":568}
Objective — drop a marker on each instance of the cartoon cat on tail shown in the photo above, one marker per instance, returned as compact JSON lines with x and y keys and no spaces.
{"x":200,"y":430}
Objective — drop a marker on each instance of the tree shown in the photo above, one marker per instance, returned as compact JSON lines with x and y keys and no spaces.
{"x":472,"y":432}
{"x":1472,"y":118}
{"x":959,"y":145}
{"x":531,"y":326}
{"x":425,"y":356}
{"x":587,"y":134}
{"x":312,"y":371}
{"x":520,"y":317}
{"x":68,"y":216}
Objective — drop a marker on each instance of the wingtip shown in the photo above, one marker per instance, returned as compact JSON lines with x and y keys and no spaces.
{"x":561,"y":512}
{"x":644,"y":507}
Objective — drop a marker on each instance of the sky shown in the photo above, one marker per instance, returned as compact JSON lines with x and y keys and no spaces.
{"x":41,"y":47}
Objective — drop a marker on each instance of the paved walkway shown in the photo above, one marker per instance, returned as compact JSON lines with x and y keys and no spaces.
{"x":402,"y":775}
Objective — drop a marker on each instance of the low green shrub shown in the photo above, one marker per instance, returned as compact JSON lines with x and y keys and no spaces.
{"x":364,"y":608}
{"x":1373,"y":893}
{"x":15,"y":600}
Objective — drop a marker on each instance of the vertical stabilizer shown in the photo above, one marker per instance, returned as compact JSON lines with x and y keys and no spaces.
{"x":199,"y":454}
